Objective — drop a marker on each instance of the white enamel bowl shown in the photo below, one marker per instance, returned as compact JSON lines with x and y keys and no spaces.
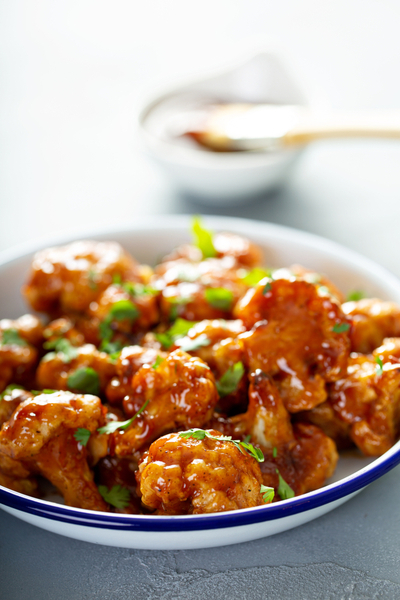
{"x":148,"y":240}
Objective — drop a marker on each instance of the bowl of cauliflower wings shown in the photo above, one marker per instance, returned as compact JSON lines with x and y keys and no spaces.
{"x":193,"y":382}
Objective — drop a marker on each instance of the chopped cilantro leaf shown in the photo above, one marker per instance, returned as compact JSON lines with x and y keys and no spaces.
{"x":165,"y":339}
{"x":284,"y":489}
{"x":230,"y":379}
{"x":92,"y":276}
{"x":243,"y":447}
{"x":111,"y":347}
{"x":120,"y":310}
{"x":124,"y":309}
{"x":38,"y":392}
{"x":355,"y":295}
{"x":189,"y":345}
{"x":82,"y":435}
{"x":63,"y":347}
{"x":340,"y":327}
{"x":267,"y":288}
{"x":220,"y":298}
{"x":114,"y":425}
{"x":114,"y":356}
{"x":11,"y":337}
{"x":117,"y":496}
{"x":268,"y":493}
{"x":274,"y":452}
{"x":84,"y":380}
{"x":157,"y":362}
{"x":9,"y":389}
{"x":176,"y":306}
{"x":203,"y":239}
{"x":117,"y":279}
{"x":138,"y":289}
{"x":105,"y":331}
{"x":379,"y":365}
{"x":255,"y":275}
{"x":180,"y":328}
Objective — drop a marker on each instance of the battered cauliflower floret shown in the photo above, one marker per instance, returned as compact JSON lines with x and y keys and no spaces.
{"x":213,"y":332}
{"x":68,"y":278}
{"x":40,"y":434}
{"x":18,"y":354}
{"x":327,"y":419}
{"x":267,"y":421}
{"x":372,"y":321}
{"x":29,"y":328}
{"x":11,"y":398}
{"x":58,"y":371}
{"x":138,"y":309}
{"x":236,"y":247}
{"x":299,"y":338}
{"x":199,"y":290}
{"x":178,"y":393}
{"x":368,"y":399}
{"x":63,"y":328}
{"x":302,"y":454}
{"x":130,"y":360}
{"x":15,"y":476}
{"x":191,"y":476}
{"x":318,"y":279}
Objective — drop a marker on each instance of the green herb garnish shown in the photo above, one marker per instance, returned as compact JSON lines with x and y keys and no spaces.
{"x":117,"y":496}
{"x":179,"y":329}
{"x":355,"y":295}
{"x":84,"y":380}
{"x":203,"y":239}
{"x":230,"y":379}
{"x":340,"y":327}
{"x":157,"y":362}
{"x":114,"y":425}
{"x":120,"y":310}
{"x":39,"y":392}
{"x":379,"y":365}
{"x":82,"y":435}
{"x":200,"y":434}
{"x":274,"y":452}
{"x":284,"y":490}
{"x":92,"y":278}
{"x":220,"y":298}
{"x":11,"y":337}
{"x":123,"y":309}
{"x":255,"y":275}
{"x":111,"y":348}
{"x":138,"y":289}
{"x":189,"y":345}
{"x":176,"y":305}
{"x":9,"y":389}
{"x":268,"y":493}
{"x":62,"y":346}
{"x":267,"y":288}
{"x":117,"y":279}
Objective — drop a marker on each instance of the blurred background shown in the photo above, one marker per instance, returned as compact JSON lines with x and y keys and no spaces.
{"x":75,"y":75}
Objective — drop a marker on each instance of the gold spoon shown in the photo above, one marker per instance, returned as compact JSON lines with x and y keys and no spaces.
{"x":269,"y":127}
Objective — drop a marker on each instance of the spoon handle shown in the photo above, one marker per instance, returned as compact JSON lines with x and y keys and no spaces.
{"x":316,"y":126}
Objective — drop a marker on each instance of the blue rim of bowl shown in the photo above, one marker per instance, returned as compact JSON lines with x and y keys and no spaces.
{"x":249,"y":516}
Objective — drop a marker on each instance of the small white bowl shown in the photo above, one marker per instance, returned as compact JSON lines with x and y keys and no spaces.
{"x":222,"y":178}
{"x":147,"y":240}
